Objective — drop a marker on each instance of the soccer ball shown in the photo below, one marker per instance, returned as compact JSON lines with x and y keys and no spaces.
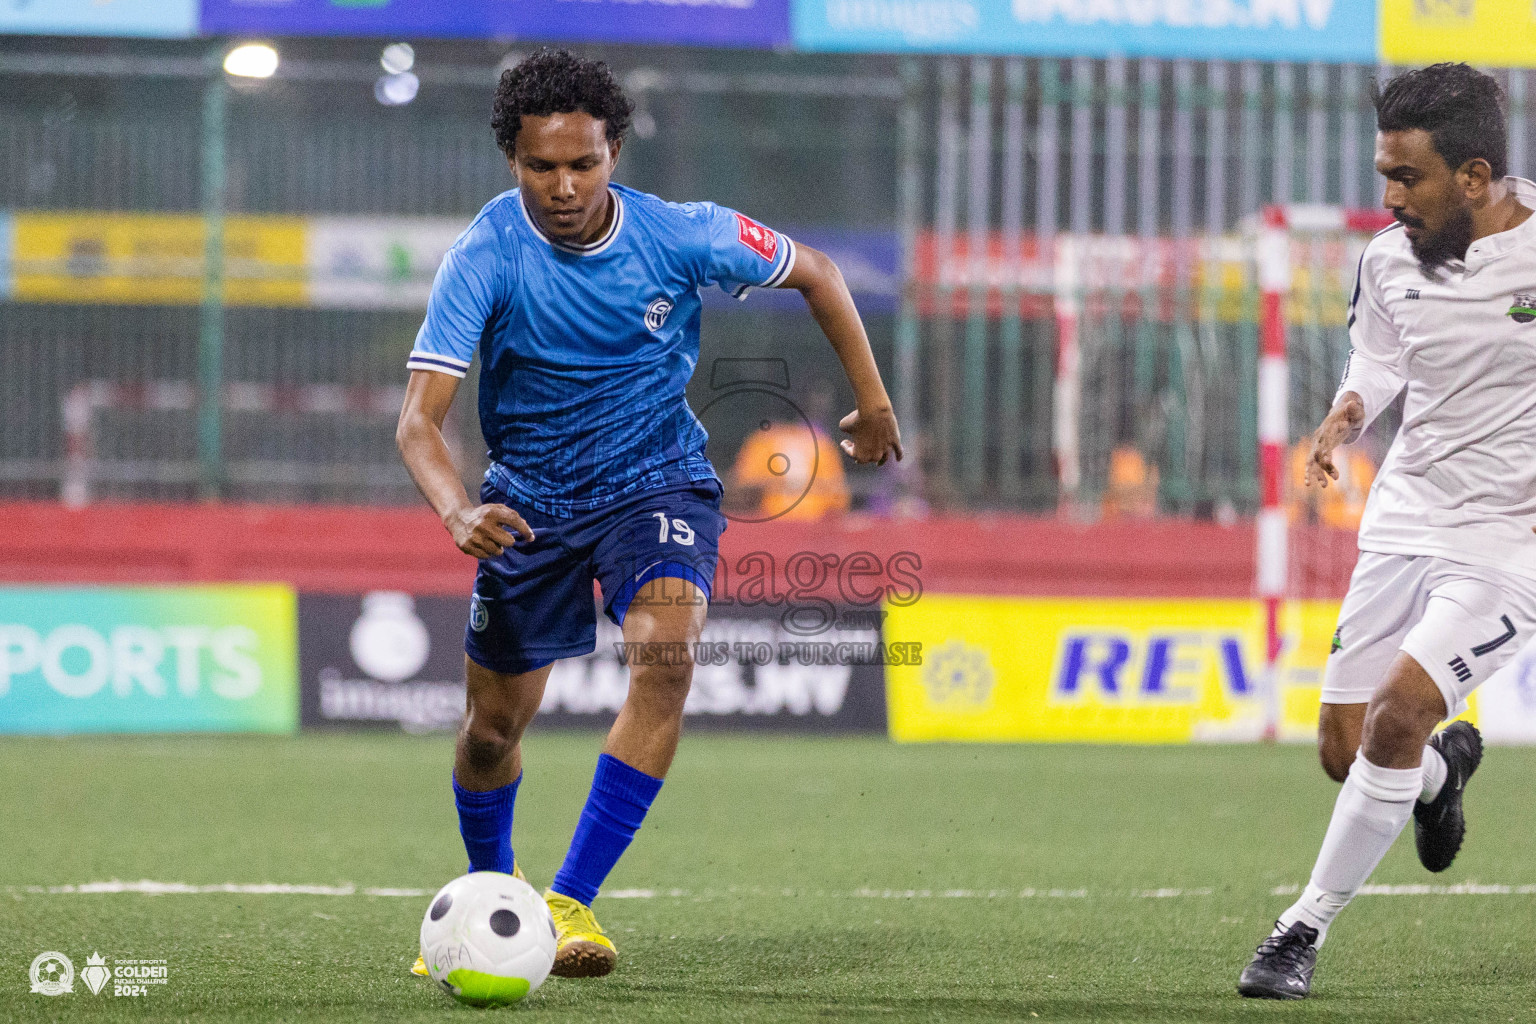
{"x":488,"y":939}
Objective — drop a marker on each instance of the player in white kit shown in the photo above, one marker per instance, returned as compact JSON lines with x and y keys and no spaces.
{"x":1445,"y":589}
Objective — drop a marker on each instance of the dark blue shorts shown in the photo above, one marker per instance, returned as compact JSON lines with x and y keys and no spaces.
{"x":533,"y":604}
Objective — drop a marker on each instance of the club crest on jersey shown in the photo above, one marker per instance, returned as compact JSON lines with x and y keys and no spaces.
{"x":754,"y":236}
{"x":656,"y":313}
{"x":1524,"y":309}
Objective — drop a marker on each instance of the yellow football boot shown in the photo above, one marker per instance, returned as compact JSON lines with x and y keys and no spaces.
{"x":420,"y":966}
{"x":582,"y":949}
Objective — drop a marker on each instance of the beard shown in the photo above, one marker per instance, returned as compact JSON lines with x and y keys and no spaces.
{"x":1435,"y":249}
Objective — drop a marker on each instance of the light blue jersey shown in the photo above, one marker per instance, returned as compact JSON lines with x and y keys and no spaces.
{"x":586,"y":351}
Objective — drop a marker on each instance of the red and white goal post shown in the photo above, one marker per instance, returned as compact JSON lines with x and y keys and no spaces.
{"x":1307,"y":258}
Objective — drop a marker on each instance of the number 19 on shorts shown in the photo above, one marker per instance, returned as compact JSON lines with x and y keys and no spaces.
{"x":677,"y":530}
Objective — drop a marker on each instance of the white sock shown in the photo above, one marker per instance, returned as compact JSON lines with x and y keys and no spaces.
{"x":1373,"y":806}
{"x":1434,"y":774}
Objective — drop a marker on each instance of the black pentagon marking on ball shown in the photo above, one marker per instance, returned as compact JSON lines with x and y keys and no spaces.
{"x":440,"y":907}
{"x":505,"y":923}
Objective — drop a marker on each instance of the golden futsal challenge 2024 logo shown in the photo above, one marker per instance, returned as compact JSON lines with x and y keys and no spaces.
{"x":53,"y":974}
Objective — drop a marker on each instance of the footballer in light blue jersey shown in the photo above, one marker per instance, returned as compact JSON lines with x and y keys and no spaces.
{"x":586,"y":349}
{"x":581,"y":299}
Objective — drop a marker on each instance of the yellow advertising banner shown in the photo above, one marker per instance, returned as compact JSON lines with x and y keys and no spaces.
{"x":1101,"y":671}
{"x":1499,"y":33}
{"x":148,"y":259}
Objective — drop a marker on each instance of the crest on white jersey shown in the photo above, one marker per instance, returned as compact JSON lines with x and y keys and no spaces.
{"x":1524,"y":309}
{"x":656,"y":313}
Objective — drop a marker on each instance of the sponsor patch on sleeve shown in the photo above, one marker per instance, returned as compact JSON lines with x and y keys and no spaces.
{"x":754,"y":236}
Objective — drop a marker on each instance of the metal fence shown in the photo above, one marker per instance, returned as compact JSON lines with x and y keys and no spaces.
{"x":1080,"y":249}
{"x":981,"y":173}
{"x":114,"y":397}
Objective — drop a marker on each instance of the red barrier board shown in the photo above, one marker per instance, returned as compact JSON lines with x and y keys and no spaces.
{"x":332,"y":549}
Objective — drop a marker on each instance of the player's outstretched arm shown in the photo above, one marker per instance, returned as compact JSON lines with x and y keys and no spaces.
{"x":479,"y":530}
{"x":1342,"y":424}
{"x":875,"y":435}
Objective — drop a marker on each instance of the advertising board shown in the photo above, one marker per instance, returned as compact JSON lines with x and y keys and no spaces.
{"x":151,"y":18}
{"x":1322,"y":30}
{"x":147,"y":659}
{"x":1103,"y":671}
{"x":1497,"y":33}
{"x":390,"y":660}
{"x":742,"y":23}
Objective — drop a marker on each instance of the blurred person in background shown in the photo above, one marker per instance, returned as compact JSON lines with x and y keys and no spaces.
{"x":786,"y":471}
{"x":581,"y":298}
{"x":1130,"y":491}
{"x":1339,"y":506}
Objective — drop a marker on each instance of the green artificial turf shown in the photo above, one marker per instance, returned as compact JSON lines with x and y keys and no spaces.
{"x":783,"y":879}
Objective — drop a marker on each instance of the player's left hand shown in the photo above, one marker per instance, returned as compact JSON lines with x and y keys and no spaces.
{"x":875,"y":435}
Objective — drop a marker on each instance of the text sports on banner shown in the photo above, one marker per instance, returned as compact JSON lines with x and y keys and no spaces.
{"x":148,"y":659}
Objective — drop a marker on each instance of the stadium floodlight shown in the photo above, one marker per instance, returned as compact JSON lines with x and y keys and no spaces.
{"x":397,"y":58}
{"x":251,"y":60}
{"x":396,"y":90}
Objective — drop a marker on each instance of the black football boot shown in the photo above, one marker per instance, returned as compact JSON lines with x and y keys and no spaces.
{"x":1438,"y":826}
{"x":1282,"y":967}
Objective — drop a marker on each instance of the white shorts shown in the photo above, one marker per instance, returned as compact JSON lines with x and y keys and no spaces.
{"x":1460,"y":622}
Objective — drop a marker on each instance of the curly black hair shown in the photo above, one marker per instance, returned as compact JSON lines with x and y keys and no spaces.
{"x":1460,"y":107}
{"x":558,"y":82}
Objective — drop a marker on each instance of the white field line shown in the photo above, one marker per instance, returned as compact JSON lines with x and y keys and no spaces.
{"x":152,"y":888}
{"x":1458,"y":889}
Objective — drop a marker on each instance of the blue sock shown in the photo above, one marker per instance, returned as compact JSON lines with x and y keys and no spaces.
{"x":485,"y":822}
{"x":615,"y":808}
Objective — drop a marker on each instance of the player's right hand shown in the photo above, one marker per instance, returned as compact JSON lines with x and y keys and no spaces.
{"x":875,"y":436}
{"x":1336,"y":428}
{"x":483,"y":531}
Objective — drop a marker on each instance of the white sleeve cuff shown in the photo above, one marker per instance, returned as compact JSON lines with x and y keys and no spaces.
{"x":778,"y":277}
{"x":1377,"y":385}
{"x":439,"y":364}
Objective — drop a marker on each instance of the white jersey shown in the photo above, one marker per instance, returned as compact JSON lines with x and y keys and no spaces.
{"x":1460,"y":479}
